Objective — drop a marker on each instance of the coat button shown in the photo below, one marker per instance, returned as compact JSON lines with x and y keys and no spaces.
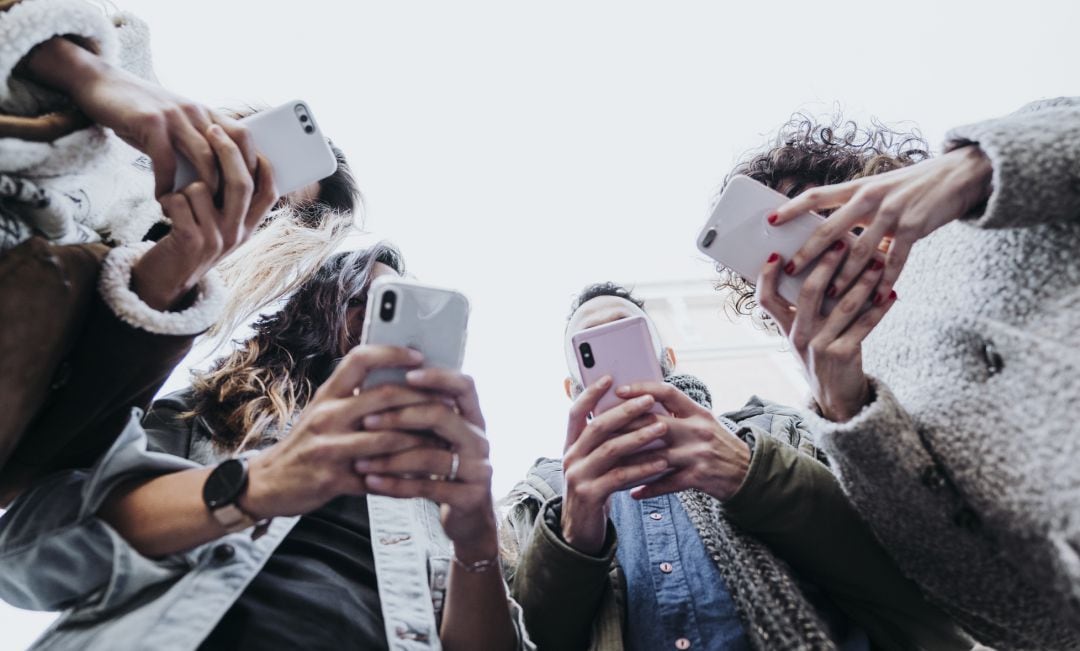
{"x":932,"y":479}
{"x":61,"y":377}
{"x":965,"y":518}
{"x":224,"y":552}
{"x":994,"y":362}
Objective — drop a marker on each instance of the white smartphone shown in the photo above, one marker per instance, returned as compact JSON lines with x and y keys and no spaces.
{"x":739,"y":236}
{"x":290,"y":138}
{"x":403,"y":312}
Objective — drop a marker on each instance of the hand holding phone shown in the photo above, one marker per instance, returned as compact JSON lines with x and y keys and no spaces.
{"x":622,"y":349}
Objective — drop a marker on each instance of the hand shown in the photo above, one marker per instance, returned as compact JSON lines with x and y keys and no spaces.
{"x":314,"y":463}
{"x":829,"y":348}
{"x":601,"y":459}
{"x":703,"y":453}
{"x":467,"y":510}
{"x":202,"y":234}
{"x":905,"y":205}
{"x":145,"y":115}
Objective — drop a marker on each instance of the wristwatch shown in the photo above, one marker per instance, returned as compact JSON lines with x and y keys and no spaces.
{"x":222,"y":492}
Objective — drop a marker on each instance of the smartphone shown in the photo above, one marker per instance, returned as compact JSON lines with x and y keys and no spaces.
{"x":623,"y":349}
{"x":739,"y":236}
{"x":290,"y":138}
{"x":406,"y":313}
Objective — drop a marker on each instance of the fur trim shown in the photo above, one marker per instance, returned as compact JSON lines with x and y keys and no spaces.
{"x":32,"y":22}
{"x":115,"y":287}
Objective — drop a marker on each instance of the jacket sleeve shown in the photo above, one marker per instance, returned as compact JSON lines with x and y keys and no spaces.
{"x":794,"y":504}
{"x":25,"y":24}
{"x":55,"y":551}
{"x":559,"y":589}
{"x":1035,"y":154}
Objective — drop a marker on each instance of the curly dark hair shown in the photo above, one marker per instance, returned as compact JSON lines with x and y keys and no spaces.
{"x":606,"y":288}
{"x":806,"y":153}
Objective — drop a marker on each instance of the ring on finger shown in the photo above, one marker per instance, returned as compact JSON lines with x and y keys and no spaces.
{"x":455,"y":463}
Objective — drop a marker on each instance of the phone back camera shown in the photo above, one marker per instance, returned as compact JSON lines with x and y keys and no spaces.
{"x":388,"y":306}
{"x":710,"y":237}
{"x":309,"y":129}
{"x":587,"y":356}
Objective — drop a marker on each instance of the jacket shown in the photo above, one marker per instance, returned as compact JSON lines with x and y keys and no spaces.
{"x":58,"y":555}
{"x":965,"y":464}
{"x":576,"y":601}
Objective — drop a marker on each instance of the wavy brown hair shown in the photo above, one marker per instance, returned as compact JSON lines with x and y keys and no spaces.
{"x":253,"y":393}
{"x":806,"y":153}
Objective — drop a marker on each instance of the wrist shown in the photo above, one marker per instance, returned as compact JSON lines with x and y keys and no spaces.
{"x":257,"y":500}
{"x":978,"y":174}
{"x":478,"y":547}
{"x":582,"y":539}
{"x":154,"y":278}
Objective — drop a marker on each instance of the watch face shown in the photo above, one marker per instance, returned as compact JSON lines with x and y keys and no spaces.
{"x":225,"y":483}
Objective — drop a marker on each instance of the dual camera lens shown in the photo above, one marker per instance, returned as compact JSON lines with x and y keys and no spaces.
{"x":388,"y":306}
{"x":587,"y":356}
{"x":305,"y":119}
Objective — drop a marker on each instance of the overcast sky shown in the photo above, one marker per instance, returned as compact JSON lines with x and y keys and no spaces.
{"x":518,"y":151}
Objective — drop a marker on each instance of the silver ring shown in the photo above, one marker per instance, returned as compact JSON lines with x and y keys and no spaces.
{"x":455,"y":462}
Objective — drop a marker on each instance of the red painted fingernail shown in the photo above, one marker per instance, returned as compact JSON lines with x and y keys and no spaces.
{"x":772,"y":218}
{"x":831,"y":291}
{"x":789,"y":268}
{"x":838,"y":246}
{"x":773,"y":257}
{"x":893,"y":296}
{"x":878,"y":298}
{"x":877,"y":265}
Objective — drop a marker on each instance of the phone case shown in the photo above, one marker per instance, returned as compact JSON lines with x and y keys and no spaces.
{"x":431,"y":320}
{"x":280,"y":134}
{"x":623,"y":349}
{"x":738,"y":235}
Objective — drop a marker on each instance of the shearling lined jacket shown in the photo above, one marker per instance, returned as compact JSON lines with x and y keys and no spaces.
{"x":967,"y":463}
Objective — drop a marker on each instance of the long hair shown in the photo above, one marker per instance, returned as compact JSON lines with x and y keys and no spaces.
{"x":807,"y":152}
{"x":253,"y":393}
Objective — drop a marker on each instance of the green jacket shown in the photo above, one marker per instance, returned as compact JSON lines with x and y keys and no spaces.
{"x":789,"y":501}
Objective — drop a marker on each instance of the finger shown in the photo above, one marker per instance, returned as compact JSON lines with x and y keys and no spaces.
{"x":817,"y":286}
{"x":862,"y":250}
{"x":867,"y":322}
{"x":163,"y":157}
{"x":613,"y":452}
{"x":643,"y":421}
{"x":240,"y":135}
{"x":837,"y":227}
{"x":582,"y":407}
{"x":350,"y":446}
{"x":768,"y":297}
{"x":631,"y":473}
{"x":674,"y":401}
{"x":239,"y":186}
{"x":435,"y":417}
{"x":207,"y":216}
{"x":848,"y":307}
{"x":457,"y":385}
{"x":349,"y":412}
{"x":611,"y":421}
{"x":814,"y":199}
{"x":265,"y":197}
{"x":193,"y":144}
{"x":420,"y":463}
{"x":185,"y":227}
{"x":443,"y":492}
{"x":673,"y":483}
{"x":361,"y":360}
{"x":894,"y":264}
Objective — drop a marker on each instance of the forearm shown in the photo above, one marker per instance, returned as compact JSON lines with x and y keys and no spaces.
{"x":477,"y":613}
{"x":62,"y":65}
{"x":164,"y":515}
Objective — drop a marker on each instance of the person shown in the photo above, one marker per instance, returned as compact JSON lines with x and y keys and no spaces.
{"x":950,"y":420}
{"x":747,"y":542}
{"x":260,"y":507}
{"x":100,"y":262}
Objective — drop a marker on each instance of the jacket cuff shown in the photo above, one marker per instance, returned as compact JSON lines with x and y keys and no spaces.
{"x":1034,"y":153}
{"x":747,"y":502}
{"x":29,"y":23}
{"x":115,"y":288}
{"x":559,"y":551}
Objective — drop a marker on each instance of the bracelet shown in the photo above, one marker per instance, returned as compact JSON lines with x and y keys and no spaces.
{"x":476,"y":567}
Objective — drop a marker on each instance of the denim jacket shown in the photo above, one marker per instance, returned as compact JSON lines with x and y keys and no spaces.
{"x":56,"y":554}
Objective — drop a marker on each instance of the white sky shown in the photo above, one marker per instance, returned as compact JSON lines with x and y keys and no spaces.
{"x":518,"y":151}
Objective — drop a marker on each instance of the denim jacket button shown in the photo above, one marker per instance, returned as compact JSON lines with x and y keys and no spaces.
{"x":224,"y":552}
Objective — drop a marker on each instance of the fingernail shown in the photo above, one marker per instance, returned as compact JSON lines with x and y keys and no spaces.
{"x":877,"y":265}
{"x":372,"y":421}
{"x":414,"y":375}
{"x":789,"y":268}
{"x":374,"y":480}
{"x":623,"y":390}
{"x":773,"y":257}
{"x":838,"y":246}
{"x":878,"y":298}
{"x":606,"y":380}
{"x":831,"y":291}
{"x":772,"y":218}
{"x":893,"y":296}
{"x":362,"y":465}
{"x":416,"y":355}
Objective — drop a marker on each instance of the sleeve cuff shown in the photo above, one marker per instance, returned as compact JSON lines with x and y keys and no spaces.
{"x":29,"y":23}
{"x":115,"y":288}
{"x":550,"y":529}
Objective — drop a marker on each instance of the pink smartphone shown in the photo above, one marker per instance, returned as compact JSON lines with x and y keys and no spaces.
{"x":738,"y":235}
{"x":623,"y":349}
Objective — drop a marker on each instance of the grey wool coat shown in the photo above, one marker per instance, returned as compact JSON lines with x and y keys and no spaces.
{"x":967,"y":462}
